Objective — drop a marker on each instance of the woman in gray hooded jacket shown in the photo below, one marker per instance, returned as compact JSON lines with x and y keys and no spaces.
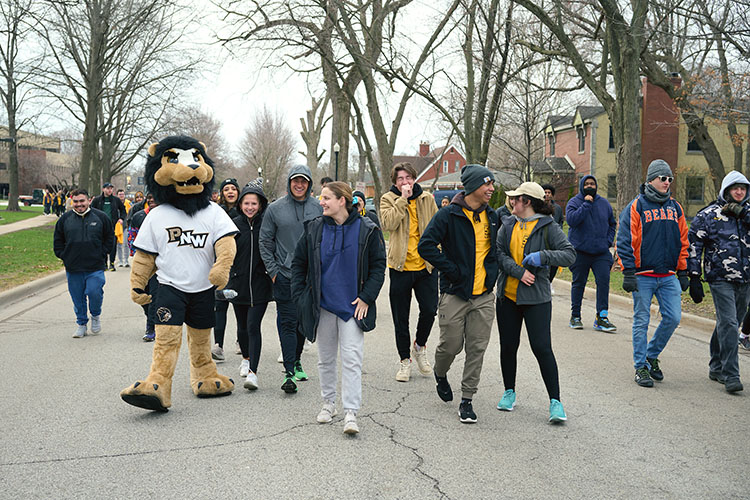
{"x":527,"y":244}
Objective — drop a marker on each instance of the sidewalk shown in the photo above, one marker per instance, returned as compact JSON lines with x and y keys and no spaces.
{"x":39,"y":220}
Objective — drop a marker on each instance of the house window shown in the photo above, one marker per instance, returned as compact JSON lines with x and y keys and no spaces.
{"x":612,"y":187}
{"x":457,"y":164}
{"x":445,"y":166}
{"x":611,"y":139}
{"x":551,"y":140}
{"x":581,"y":139}
{"x":692,"y":144}
{"x":3,"y":166}
{"x":694,"y":189}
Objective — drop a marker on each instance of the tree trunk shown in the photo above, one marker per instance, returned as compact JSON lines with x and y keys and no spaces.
{"x":12,"y":148}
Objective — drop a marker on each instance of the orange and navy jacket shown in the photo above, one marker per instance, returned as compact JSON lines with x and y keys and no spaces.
{"x":652,"y":237}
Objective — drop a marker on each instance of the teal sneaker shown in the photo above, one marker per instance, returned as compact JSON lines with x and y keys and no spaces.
{"x":508,"y":401}
{"x":556,"y":412}
{"x":299,"y":373}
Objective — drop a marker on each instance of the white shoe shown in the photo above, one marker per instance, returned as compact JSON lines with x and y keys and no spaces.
{"x":217,"y":353}
{"x":244,"y":368}
{"x":251,"y":382}
{"x":350,"y":423}
{"x":237,"y":349}
{"x":96,"y":324}
{"x":327,"y":413}
{"x":281,"y":358}
{"x":307,"y":345}
{"x":551,"y":290}
{"x":80,"y":332}
{"x":404,"y":370}
{"x":421,"y":356}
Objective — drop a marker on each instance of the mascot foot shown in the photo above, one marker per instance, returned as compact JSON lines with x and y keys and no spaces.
{"x":149,"y":396}
{"x":211,"y":387}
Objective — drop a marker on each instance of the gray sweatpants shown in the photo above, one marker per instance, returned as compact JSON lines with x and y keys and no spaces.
{"x":335,"y":334}
{"x":464,"y":325}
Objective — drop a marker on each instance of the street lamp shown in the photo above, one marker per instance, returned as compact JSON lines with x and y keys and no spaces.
{"x":336,"y":149}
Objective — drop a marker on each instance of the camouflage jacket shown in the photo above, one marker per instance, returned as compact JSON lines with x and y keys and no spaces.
{"x":724,"y":243}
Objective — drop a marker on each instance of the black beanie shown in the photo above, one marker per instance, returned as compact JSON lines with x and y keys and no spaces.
{"x":475,"y":176}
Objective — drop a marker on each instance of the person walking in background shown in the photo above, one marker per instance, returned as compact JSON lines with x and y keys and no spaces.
{"x":282,"y":227}
{"x":406,"y":211}
{"x":591,"y":231}
{"x":460,"y":242}
{"x":115,"y":210}
{"x":720,"y":236}
{"x":337,"y":272}
{"x":123,"y":250}
{"x":652,"y":248}
{"x":136,"y":221}
{"x":559,"y":218}
{"x":360,"y":204}
{"x":82,"y":239}
{"x":249,"y":279}
{"x":47,"y":202}
{"x":527,"y":244}
{"x":228,"y":195}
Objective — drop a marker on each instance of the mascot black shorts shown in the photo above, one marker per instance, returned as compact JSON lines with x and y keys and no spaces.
{"x":175,"y":307}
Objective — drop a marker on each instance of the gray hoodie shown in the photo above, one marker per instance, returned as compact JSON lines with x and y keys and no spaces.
{"x":282,"y":226}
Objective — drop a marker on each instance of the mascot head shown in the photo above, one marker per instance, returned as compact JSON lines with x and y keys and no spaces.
{"x":179,"y":172}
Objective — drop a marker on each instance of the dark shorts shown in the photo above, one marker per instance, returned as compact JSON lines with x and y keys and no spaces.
{"x":175,"y":307}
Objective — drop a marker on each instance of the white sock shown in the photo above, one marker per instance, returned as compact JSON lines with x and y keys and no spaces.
{"x":743,"y":336}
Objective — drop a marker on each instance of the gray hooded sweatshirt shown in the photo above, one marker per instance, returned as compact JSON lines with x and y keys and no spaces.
{"x":282,"y":225}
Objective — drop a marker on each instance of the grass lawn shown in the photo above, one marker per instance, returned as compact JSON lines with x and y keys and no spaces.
{"x":27,"y":255}
{"x":25,"y":213}
{"x":704,"y":309}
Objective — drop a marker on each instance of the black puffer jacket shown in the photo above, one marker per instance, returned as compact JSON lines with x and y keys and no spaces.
{"x":248,"y":276}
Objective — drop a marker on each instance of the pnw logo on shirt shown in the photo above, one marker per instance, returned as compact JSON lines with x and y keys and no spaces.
{"x":185,"y":237}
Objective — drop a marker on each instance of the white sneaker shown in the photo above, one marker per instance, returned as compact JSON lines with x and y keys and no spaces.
{"x":404,"y":370}
{"x":551,"y":290}
{"x":217,"y":353}
{"x":327,"y":413}
{"x":307,"y":346}
{"x":96,"y":324}
{"x":237,"y":349}
{"x":244,"y":368}
{"x":350,"y":423}
{"x":281,"y":358}
{"x":80,"y":332}
{"x":251,"y":382}
{"x":422,"y":362}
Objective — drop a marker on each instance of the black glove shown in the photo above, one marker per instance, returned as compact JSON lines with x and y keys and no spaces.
{"x":629,"y":283}
{"x":733,"y":209}
{"x":684,"y":280}
{"x":696,"y":289}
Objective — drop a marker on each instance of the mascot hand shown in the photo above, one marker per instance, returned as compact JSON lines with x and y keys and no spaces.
{"x":219,"y":276}
{"x":140,"y":297}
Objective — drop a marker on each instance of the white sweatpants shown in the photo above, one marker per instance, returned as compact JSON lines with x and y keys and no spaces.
{"x":334,"y":334}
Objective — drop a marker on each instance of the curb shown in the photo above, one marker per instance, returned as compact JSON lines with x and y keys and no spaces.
{"x":31,"y":288}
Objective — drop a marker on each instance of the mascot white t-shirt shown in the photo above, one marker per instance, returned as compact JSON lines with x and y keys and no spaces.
{"x":184,"y":245}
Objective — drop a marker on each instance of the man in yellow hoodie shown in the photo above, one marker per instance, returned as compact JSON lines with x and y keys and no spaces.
{"x":405,"y":211}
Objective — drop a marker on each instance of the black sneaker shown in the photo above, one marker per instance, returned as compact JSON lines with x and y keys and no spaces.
{"x":112,"y":267}
{"x":643,"y":378}
{"x":716,"y":376}
{"x":466,"y":412}
{"x":602,"y":324}
{"x":289,"y":386}
{"x":733,"y":385}
{"x":655,"y":371}
{"x":444,"y":388}
{"x":575,"y":323}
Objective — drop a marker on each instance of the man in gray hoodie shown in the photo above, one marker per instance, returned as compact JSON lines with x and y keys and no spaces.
{"x":282,"y":227}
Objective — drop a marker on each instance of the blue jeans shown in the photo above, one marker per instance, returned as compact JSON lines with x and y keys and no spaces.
{"x":669,"y":296}
{"x":86,"y":285}
{"x":292,"y":341}
{"x":730,"y":301}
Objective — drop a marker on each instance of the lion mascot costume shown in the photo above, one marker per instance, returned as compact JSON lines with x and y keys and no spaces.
{"x":188,"y":241}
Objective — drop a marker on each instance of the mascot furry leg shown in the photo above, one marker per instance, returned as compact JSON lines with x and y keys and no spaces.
{"x":155,"y":392}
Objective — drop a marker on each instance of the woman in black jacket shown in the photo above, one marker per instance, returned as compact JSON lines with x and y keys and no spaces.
{"x":337,"y":272}
{"x":249,"y":279}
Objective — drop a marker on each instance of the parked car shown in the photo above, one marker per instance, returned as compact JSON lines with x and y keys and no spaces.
{"x":442,"y":193}
{"x":29,"y":199}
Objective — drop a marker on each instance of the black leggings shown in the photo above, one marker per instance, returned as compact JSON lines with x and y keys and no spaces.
{"x":537,"y":318}
{"x":248,"y":331}
{"x":221,"y":307}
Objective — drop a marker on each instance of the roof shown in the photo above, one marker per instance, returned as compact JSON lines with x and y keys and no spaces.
{"x":453,"y":180}
{"x":552,"y":165}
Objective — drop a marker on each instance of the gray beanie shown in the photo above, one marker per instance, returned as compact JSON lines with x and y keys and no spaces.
{"x":657,"y":168}
{"x":474,"y":176}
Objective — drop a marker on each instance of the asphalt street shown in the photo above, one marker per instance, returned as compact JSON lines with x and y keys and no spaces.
{"x":67,"y":434}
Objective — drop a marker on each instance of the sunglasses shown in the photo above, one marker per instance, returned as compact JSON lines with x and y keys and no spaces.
{"x":665,"y":178}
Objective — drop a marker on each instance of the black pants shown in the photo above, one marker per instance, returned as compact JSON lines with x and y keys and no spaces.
{"x":152,"y":287}
{"x":221,"y":308}
{"x":292,"y":341}
{"x":537,"y":318}
{"x":248,"y":331}
{"x":113,"y":250}
{"x":425,"y":286}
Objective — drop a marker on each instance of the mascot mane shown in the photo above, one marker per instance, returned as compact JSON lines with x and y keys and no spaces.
{"x":162,"y":165}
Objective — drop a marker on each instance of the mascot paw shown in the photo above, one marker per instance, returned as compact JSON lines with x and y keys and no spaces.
{"x":148,"y":395}
{"x":140,"y":297}
{"x":218,"y":385}
{"x":219,"y":277}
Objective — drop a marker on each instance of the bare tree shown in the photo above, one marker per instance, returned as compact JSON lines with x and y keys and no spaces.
{"x":267,"y":150}
{"x":312,"y":128}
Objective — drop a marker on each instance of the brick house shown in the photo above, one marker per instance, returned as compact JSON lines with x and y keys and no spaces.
{"x":431,"y":163}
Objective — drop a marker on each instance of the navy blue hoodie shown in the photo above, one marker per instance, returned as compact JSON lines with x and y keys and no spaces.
{"x":592,"y":223}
